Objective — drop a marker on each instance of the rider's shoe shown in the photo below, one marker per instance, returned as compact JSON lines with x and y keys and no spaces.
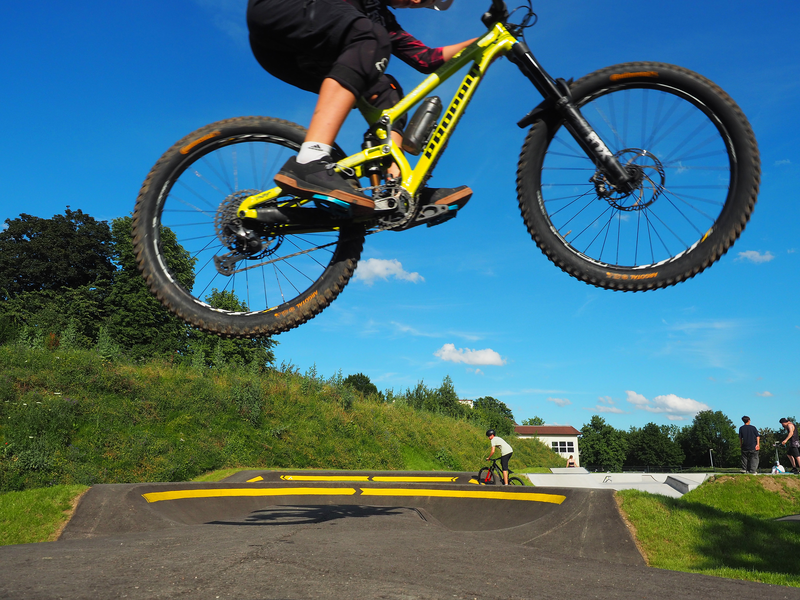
{"x":453,"y":198}
{"x":320,"y":177}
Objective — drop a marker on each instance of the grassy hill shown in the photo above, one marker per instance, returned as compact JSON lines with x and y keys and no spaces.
{"x":69,"y":417}
{"x":726,"y":527}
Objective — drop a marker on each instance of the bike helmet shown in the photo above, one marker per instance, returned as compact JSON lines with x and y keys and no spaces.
{"x":441,"y":4}
{"x":490,"y":433}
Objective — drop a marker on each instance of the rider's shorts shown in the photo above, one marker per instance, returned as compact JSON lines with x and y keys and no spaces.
{"x":504,"y":460}
{"x":303,"y":42}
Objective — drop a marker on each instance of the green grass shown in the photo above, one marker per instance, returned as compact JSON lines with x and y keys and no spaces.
{"x":36,"y":515}
{"x":72,"y":418}
{"x":217,"y":475}
{"x":69,"y":419}
{"x":725,"y":528}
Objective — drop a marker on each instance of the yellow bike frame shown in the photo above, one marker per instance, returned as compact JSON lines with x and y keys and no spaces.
{"x":495,"y":43}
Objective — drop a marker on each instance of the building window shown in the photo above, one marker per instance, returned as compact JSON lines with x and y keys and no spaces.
{"x":564,"y":447}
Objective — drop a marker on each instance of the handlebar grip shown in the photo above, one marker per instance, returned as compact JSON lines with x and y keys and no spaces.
{"x":498,"y":12}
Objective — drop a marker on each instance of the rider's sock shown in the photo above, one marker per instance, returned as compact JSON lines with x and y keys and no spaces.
{"x":311,"y":151}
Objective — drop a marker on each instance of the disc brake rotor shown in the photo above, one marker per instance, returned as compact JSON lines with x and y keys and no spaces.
{"x":648,"y":181}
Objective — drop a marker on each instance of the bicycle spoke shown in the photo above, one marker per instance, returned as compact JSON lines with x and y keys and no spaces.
{"x":195,"y":211}
{"x":683,"y":160}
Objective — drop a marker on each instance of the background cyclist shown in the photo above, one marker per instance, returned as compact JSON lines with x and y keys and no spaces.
{"x":505,"y":452}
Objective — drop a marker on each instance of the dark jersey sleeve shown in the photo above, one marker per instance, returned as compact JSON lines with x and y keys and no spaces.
{"x":404,"y":45}
{"x":410,"y":50}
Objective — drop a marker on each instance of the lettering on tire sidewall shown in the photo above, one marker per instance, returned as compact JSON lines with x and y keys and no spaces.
{"x":299,"y":306}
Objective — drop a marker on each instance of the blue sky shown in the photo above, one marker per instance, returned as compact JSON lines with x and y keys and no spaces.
{"x":95,"y":91}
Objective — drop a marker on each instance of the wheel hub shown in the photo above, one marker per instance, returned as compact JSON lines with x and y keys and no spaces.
{"x":646,"y":184}
{"x":237,"y":238}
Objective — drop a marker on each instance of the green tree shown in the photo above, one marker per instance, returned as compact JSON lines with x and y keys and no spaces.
{"x":493,"y":404}
{"x":652,"y":445}
{"x":442,"y":400}
{"x":534,"y":421}
{"x":491,"y":413}
{"x":218,"y":351}
{"x":362,"y":383}
{"x":136,"y":320}
{"x":713,"y":431}
{"x":603,"y":446}
{"x":66,"y":251}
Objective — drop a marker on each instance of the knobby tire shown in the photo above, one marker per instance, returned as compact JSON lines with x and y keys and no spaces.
{"x":700,"y":175}
{"x":191,"y":191}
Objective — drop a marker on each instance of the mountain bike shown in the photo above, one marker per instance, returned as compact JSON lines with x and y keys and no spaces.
{"x":635,"y":177}
{"x":494,"y":474}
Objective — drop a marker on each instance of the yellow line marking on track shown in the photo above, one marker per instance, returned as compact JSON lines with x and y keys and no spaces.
{"x":254,"y":479}
{"x":325,"y":477}
{"x":474,"y":481}
{"x":526,"y":496}
{"x":416,"y":479}
{"x":241,"y":492}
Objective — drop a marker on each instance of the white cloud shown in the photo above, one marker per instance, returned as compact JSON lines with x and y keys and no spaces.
{"x":227,"y":16}
{"x":711,"y":343}
{"x":559,"y":401}
{"x":376,"y":268}
{"x":756,"y":257}
{"x":476,"y":371}
{"x":764,"y":394}
{"x":401,"y":328}
{"x":606,"y":404}
{"x":448,"y":353}
{"x":674,"y":406}
{"x":785,"y":161}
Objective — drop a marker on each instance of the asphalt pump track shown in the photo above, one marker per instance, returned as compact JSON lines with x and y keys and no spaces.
{"x":320,"y":534}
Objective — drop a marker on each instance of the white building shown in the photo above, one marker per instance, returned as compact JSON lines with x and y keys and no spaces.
{"x":562,"y":439}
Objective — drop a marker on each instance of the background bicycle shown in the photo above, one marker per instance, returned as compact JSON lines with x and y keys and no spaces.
{"x":493,"y":474}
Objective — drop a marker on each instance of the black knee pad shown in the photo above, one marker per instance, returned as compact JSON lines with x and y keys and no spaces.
{"x":364,"y":57}
{"x":385,"y":94}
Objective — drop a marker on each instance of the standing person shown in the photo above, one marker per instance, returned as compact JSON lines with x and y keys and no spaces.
{"x":340,"y":49}
{"x":793,"y":445}
{"x":571,"y":462}
{"x":505,"y":452}
{"x":750,"y":443}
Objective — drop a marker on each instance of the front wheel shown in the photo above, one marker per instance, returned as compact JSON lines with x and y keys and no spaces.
{"x":486,"y":476}
{"x":694,"y":161}
{"x":213,"y":270}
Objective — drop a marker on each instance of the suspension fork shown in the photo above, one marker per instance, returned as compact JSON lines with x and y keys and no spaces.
{"x":557,"y":96}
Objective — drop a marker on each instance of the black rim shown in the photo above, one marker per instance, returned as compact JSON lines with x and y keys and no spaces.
{"x":682,"y":157}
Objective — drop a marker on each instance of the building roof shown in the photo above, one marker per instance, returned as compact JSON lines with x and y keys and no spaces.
{"x":546,"y":430}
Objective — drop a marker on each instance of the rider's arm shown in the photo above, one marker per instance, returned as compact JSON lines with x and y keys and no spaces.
{"x":449,"y":52}
{"x":791,"y":433}
{"x":416,"y":54}
{"x":490,"y":453}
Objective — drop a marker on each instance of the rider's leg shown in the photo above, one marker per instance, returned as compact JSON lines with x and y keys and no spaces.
{"x":504,"y":464}
{"x":333,"y":105}
{"x":345,"y":63}
{"x":385,"y":94}
{"x":312,"y":170}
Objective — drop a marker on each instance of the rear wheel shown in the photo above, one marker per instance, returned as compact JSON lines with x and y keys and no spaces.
{"x":211,"y":269}
{"x":515,"y":481}
{"x":692,"y":154}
